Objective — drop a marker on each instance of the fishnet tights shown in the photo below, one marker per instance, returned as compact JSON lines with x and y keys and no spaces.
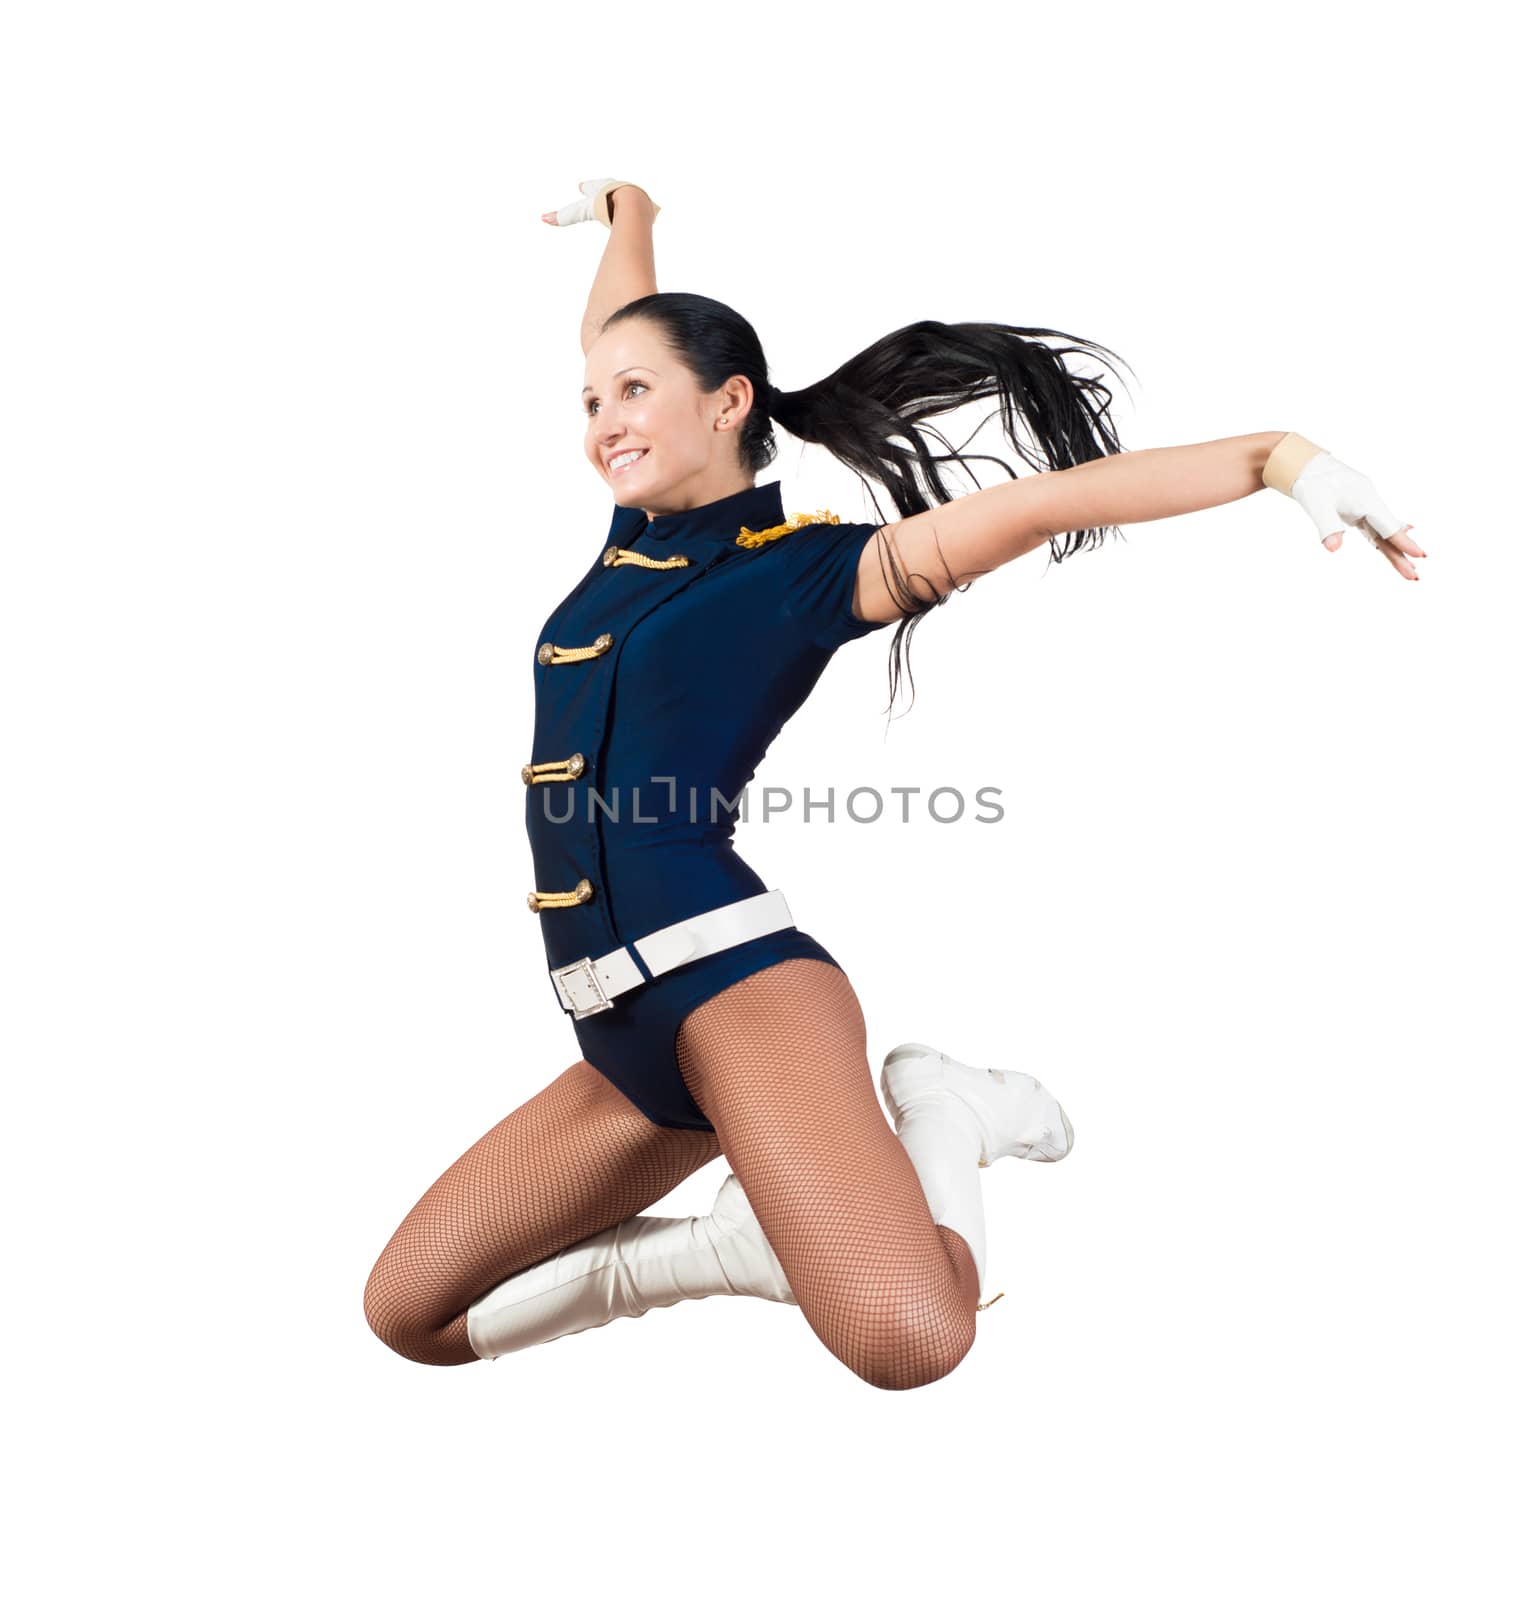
{"x":778,"y":1063}
{"x":574,"y":1160}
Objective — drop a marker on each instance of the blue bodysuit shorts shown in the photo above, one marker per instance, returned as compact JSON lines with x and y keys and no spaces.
{"x":660,"y":683}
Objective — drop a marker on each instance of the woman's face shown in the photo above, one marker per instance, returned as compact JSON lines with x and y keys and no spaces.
{"x":637,"y":396}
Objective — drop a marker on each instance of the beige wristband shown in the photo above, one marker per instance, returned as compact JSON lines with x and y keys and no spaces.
{"x":1287,"y":460}
{"x":604,"y":205}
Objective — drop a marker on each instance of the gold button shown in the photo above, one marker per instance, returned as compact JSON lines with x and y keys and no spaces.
{"x":610,"y":551}
{"x":527,"y":774}
{"x":575,"y":766}
{"x":544,"y":654}
{"x":604,"y":641}
{"x":585,"y":889}
{"x":534,"y":904}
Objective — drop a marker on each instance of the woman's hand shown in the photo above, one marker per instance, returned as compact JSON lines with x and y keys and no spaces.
{"x":1336,"y":497}
{"x":595,"y":206}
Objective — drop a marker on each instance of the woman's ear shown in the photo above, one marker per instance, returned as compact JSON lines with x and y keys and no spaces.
{"x":738,"y":398}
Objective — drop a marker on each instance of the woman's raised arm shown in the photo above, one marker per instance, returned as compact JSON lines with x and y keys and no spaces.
{"x":1144,"y":485}
{"x":626,"y":269}
{"x":978,"y":532}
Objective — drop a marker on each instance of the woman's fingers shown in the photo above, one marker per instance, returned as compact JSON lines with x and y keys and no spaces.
{"x":579,"y":210}
{"x":1398,"y":550}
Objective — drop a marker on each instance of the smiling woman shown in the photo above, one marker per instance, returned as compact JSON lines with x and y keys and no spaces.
{"x":710,"y":1023}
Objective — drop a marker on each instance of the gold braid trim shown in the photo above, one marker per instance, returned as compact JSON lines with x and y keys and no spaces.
{"x":560,"y":653}
{"x":551,"y":899}
{"x":565,"y":770}
{"x":749,"y":539}
{"x":631,"y":558}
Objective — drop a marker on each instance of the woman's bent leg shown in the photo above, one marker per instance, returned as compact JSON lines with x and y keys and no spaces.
{"x":577,"y":1158}
{"x":778,"y":1062}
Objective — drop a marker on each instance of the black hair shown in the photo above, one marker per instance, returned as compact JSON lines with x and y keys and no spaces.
{"x":881,"y":395}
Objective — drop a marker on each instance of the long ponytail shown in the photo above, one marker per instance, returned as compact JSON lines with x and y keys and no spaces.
{"x":869,"y":412}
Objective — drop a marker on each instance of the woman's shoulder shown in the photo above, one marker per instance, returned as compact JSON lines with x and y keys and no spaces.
{"x":813,"y":566}
{"x":806,"y":543}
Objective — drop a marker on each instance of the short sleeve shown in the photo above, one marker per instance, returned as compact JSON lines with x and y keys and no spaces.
{"x":816,"y":570}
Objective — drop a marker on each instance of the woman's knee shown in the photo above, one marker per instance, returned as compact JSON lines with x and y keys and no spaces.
{"x":912,"y":1361}
{"x":401,"y":1325}
{"x":389,"y":1320}
{"x":900,"y":1333}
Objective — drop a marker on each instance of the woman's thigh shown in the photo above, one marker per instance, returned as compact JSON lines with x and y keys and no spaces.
{"x":778,"y":1062}
{"x":576,"y":1158}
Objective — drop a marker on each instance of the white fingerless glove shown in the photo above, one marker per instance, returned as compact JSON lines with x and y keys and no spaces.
{"x":595,"y":204}
{"x":1334,"y":495}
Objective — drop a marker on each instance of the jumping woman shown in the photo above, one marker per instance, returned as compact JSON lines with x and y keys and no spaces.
{"x":710,"y":1024}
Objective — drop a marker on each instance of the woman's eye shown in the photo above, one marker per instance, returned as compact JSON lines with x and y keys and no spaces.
{"x":635,"y":383}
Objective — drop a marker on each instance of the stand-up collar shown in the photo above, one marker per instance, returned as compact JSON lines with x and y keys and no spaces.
{"x":718,"y":522}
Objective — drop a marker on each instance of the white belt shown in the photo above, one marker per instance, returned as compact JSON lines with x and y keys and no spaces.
{"x":590,"y":985}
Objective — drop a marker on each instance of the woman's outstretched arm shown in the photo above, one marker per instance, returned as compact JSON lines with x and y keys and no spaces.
{"x":626,"y":270}
{"x":978,"y":532}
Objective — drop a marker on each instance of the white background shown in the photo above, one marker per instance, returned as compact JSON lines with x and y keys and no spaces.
{"x":293,"y":473}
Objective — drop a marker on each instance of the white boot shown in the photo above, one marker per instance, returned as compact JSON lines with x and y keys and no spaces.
{"x":644,"y":1263}
{"x":953,"y":1119}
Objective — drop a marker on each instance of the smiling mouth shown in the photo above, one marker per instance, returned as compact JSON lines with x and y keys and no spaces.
{"x":635,"y":460}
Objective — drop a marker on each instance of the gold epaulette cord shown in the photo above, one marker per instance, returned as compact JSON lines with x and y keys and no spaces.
{"x":749,"y":539}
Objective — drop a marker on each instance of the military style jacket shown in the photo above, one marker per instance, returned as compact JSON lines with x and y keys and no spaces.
{"x":660,"y":682}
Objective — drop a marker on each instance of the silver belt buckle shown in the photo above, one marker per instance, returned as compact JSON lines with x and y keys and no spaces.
{"x":589,"y":987}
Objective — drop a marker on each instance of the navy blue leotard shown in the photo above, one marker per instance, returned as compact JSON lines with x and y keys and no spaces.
{"x":690,"y":671}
